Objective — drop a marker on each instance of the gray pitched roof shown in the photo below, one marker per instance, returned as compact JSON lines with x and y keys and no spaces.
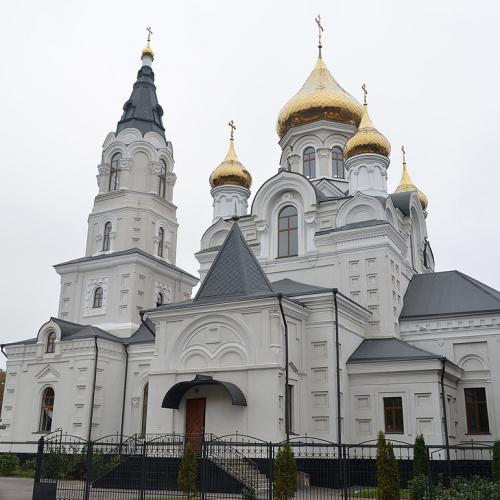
{"x":448,"y":293}
{"x":290,"y":287}
{"x":75,"y":331}
{"x":235,"y":272}
{"x":402,"y":201}
{"x":388,"y":349}
{"x":354,"y":225}
{"x":142,"y":110}
{"x":129,"y":251}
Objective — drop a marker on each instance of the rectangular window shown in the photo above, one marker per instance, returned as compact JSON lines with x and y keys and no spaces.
{"x":393,"y":415}
{"x":476,"y":410}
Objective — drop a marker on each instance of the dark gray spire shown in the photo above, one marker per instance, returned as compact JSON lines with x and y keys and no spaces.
{"x":142,"y":110}
{"x":235,"y":272}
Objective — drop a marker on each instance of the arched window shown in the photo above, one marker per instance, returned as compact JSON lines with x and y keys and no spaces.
{"x":46,"y":410}
{"x":309,"y":162}
{"x":337,"y":163}
{"x":145,"y":394}
{"x":161,"y":241}
{"x":51,"y":339}
{"x":106,"y":237}
{"x":114,"y":174}
{"x":288,"y":237}
{"x":162,"y":179}
{"x":159,"y":299}
{"x":97,"y":298}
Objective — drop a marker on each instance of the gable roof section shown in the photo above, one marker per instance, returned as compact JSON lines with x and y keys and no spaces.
{"x":235,"y":272}
{"x":448,"y":293}
{"x":388,"y":349}
{"x":402,"y":201}
{"x":290,"y":287}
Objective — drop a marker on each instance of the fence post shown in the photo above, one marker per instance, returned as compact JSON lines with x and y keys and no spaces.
{"x":344,"y":471}
{"x":270,"y":470}
{"x":203,"y":469}
{"x":430,"y":492}
{"x":88,"y":470}
{"x":39,"y":458}
{"x":143,"y":471}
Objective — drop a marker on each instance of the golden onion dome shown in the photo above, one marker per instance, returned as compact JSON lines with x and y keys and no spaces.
{"x":231,"y":171}
{"x":367,"y":139}
{"x":148,"y":51}
{"x":406,"y":185}
{"x":320,"y":98}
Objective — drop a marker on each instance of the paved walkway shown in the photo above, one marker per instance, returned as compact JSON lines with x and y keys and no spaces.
{"x":16,"y":488}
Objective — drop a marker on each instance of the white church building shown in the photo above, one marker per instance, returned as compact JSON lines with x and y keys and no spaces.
{"x":319,"y":311}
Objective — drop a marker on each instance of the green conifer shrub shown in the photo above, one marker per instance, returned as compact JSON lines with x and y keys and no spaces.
{"x":420,"y":465}
{"x":186,"y":479}
{"x":285,"y":474}
{"x":387,"y":471}
{"x":495,"y":461}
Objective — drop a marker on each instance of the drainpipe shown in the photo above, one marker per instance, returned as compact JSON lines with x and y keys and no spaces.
{"x":445,"y":417}
{"x":337,"y":356}
{"x":141,"y":314}
{"x":285,"y":324}
{"x":89,"y":434}
{"x":2,"y":346}
{"x":124,"y":392}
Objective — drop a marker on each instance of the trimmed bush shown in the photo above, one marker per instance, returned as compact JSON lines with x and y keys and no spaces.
{"x":186,"y":479}
{"x":387,"y":471}
{"x":417,"y":487}
{"x":420,"y":464}
{"x":473,"y":489}
{"x":285,"y":474}
{"x":8,"y":463}
{"x":495,"y":461}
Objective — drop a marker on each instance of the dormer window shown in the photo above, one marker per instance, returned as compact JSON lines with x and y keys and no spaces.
{"x":161,"y":241}
{"x":338,"y":163}
{"x":98,"y":295}
{"x":106,"y":236}
{"x":50,"y":345}
{"x":309,"y":162}
{"x":288,"y":232}
{"x":162,"y":179}
{"x":114,"y":174}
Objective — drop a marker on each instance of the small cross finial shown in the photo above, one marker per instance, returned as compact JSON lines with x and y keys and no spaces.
{"x":320,"y":30}
{"x":404,"y":154}
{"x":150,"y":32}
{"x":365,"y":91}
{"x":233,"y":128}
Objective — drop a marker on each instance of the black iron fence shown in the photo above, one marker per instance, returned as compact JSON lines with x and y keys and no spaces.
{"x":236,"y":467}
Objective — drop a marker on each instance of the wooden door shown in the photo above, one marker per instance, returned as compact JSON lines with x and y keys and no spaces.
{"x":195,"y":423}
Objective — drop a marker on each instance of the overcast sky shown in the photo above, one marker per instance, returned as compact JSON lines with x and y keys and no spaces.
{"x":432,"y":70}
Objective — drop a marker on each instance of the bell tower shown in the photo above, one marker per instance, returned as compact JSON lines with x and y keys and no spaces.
{"x":130,"y":256}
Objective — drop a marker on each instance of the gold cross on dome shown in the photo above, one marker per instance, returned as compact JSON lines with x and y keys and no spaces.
{"x":320,"y":28}
{"x":365,"y":91}
{"x":404,"y":154}
{"x":233,"y":128}
{"x":150,"y":32}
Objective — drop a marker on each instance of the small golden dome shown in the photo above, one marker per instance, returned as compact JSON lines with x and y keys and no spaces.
{"x":406,"y":185}
{"x":231,"y":171}
{"x":367,"y":139}
{"x":148,"y":51}
{"x":320,"y":98}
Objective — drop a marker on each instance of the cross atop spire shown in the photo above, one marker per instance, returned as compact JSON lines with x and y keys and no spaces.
{"x":150,"y":32}
{"x":320,"y":30}
{"x":233,"y":128}
{"x":365,"y":92}
{"x":404,"y":154}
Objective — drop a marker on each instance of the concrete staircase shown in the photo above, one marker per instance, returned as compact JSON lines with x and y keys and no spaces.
{"x":240,"y":467}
